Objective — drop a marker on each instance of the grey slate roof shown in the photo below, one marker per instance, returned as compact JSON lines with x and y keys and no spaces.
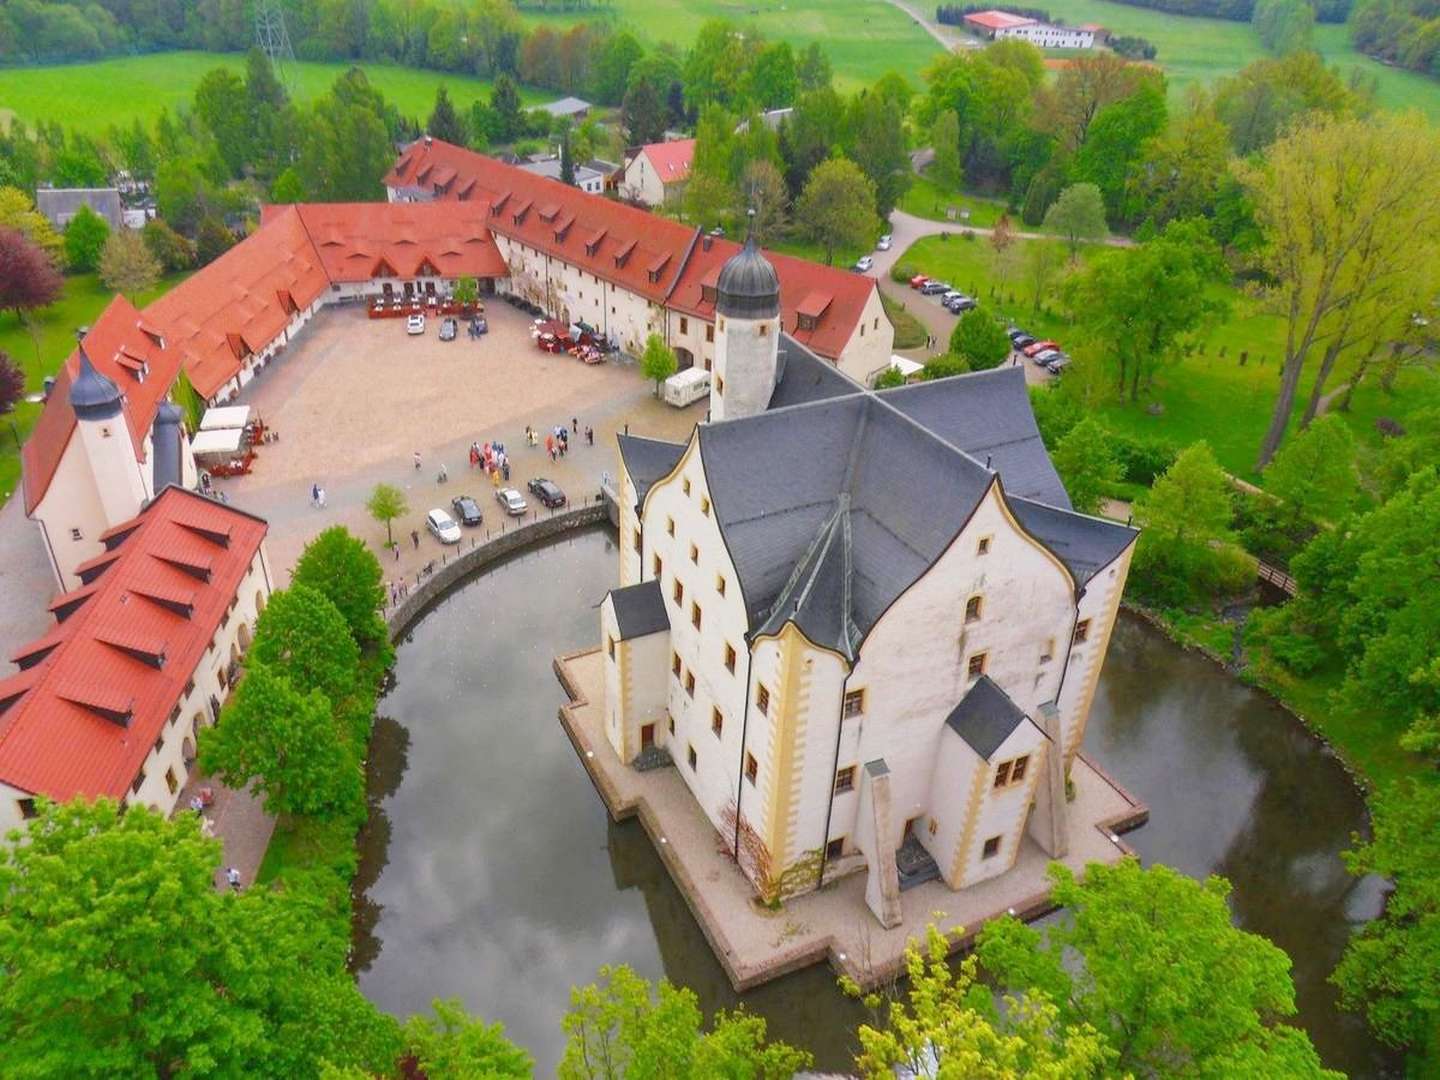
{"x":987,"y":414}
{"x":802,"y":376}
{"x":566,"y":106}
{"x":640,"y":610}
{"x":550,"y":168}
{"x":985,"y":717}
{"x":166,"y":439}
{"x":1084,"y":544}
{"x":647,"y":460}
{"x":94,"y":396}
{"x":61,"y":204}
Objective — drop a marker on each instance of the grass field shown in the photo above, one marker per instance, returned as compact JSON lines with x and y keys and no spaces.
{"x":925,"y":198}
{"x":1208,"y":395}
{"x":91,"y":97}
{"x":84,"y":298}
{"x":1198,"y":51}
{"x":864,"y":38}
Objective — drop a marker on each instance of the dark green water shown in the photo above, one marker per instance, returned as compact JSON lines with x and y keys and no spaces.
{"x":492,"y":873}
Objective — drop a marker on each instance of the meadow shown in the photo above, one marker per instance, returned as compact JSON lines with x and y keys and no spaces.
{"x":91,"y":97}
{"x":41,"y":352}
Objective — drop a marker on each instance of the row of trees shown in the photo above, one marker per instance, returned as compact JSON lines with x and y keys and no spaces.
{"x":1404,"y":32}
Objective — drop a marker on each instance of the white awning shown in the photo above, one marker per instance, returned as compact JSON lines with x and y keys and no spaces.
{"x":905,"y":366}
{"x":216,"y":441}
{"x":225,"y":416}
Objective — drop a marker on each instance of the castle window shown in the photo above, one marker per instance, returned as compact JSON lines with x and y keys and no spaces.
{"x":845,"y":780}
{"x":709,"y":333}
{"x":690,"y":683}
{"x":677,"y":593}
{"x":720,"y":384}
{"x":1010,"y":773}
{"x":992,"y":848}
{"x":983,"y":547}
{"x":1082,"y":631}
{"x":610,"y":647}
{"x":720,"y":584}
{"x":695,"y":615}
{"x":1002,"y":774}
{"x":1048,"y":652}
{"x":684,"y":325}
{"x":854,"y":703}
{"x":933,"y":827}
{"x":694,"y":554}
{"x":976,"y":667}
{"x":1017,"y":771}
{"x":764,"y":329}
{"x":670,"y":525}
{"x":75,"y":534}
{"x":685,"y":485}
{"x":752,"y":768}
{"x":159,"y":743}
{"x":170,"y":782}
{"x":835,"y":848}
{"x":27,"y":808}
{"x":690,"y":756}
{"x":730,"y":658}
{"x":656,"y":565}
{"x":639,"y":540}
{"x":675,"y":664}
{"x":671,"y":724}
{"x":762,"y":699}
{"x":705,"y":504}
{"x":972,"y":609}
{"x":717,"y":721}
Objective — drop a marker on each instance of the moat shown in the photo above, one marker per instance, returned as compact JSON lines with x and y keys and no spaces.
{"x":491,"y":872}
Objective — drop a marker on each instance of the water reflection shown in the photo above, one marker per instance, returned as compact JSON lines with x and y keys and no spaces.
{"x":491,"y":872}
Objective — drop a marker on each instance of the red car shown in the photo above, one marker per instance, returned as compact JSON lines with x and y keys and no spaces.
{"x":918,"y":280}
{"x":1039,"y":346}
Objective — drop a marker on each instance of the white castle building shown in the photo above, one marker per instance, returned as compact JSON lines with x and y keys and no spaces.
{"x":864,"y":627}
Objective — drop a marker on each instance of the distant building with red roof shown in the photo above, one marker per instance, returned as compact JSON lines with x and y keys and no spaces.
{"x":143,"y":653}
{"x":631,"y":273}
{"x":658,"y":172}
{"x":997,"y":24}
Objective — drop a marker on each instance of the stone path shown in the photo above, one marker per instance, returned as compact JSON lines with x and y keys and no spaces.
{"x":239,"y":820}
{"x":949,"y":38}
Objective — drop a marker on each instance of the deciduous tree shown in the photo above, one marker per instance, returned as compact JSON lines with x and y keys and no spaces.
{"x":1185,"y":519}
{"x":837,"y":207}
{"x":212,"y":239}
{"x":1315,"y":472}
{"x":1085,"y":460}
{"x":766,"y":194}
{"x":386,"y":503}
{"x":127,"y":264}
{"x":1151,"y":960}
{"x":85,"y":236}
{"x":12,"y":383}
{"x":172,"y":250}
{"x":455,"y":1044}
{"x":17,"y":211}
{"x":657,"y":362}
{"x":340,"y":566}
{"x":1084,"y":86}
{"x":28,"y":279}
{"x":945,"y":138}
{"x":1284,"y":26}
{"x":302,"y":636}
{"x":1043,"y":260}
{"x":445,"y":122}
{"x":979,"y":340}
{"x":1078,"y":214}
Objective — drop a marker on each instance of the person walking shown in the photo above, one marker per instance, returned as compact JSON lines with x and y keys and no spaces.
{"x":415,"y":538}
{"x":589,"y":435}
{"x":417,"y":460}
{"x":575,"y":425}
{"x":314,"y":494}
{"x":443,"y":475}
{"x":232,"y":875}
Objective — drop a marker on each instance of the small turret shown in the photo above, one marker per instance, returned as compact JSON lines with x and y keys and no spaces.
{"x":92,"y":395}
{"x":747,"y":333}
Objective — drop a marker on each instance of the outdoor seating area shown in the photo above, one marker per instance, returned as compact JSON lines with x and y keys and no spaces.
{"x":396,"y":306}
{"x":580,"y":340}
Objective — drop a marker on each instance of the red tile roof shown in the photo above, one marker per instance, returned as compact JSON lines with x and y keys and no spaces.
{"x":671,"y":160}
{"x":660,"y":259}
{"x":122,"y":348}
{"x":83,"y":719}
{"x":997,"y":20}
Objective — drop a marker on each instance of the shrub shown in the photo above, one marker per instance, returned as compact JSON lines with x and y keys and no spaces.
{"x":1142,"y":460}
{"x":1278,"y":633}
{"x":1133,"y":48}
{"x":901,"y":273}
{"x":1056,"y":412}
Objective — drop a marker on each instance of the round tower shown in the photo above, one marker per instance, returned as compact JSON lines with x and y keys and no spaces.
{"x":747,"y":334}
{"x":109,"y":452}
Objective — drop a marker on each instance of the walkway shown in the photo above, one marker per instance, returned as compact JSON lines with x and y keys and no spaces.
{"x":949,"y":38}
{"x":238,"y":819}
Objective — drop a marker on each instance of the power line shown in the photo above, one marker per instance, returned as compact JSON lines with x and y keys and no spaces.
{"x":271,"y":36}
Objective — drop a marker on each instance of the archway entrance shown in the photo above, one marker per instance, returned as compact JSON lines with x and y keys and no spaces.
{"x":684,"y":359}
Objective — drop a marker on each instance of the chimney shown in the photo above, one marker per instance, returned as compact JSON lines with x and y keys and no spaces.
{"x":707,"y":242}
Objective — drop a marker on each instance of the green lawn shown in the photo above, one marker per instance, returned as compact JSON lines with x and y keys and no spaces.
{"x":864,"y":38}
{"x":1198,"y":51}
{"x":910,"y":332}
{"x":91,"y":97}
{"x":1207,"y":395}
{"x":928,"y":199}
{"x":83,"y":300}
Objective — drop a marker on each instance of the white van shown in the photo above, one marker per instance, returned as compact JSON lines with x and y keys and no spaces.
{"x":686,"y":386}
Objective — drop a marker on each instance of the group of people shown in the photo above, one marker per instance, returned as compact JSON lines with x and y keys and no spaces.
{"x":557,"y":442}
{"x":491,"y":457}
{"x":317,"y":496}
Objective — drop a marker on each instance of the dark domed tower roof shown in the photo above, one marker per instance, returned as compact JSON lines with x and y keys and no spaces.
{"x":748,"y":286}
{"x":92,"y":395}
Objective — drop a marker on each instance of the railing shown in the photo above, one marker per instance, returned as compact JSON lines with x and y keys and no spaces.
{"x":1273,"y":575}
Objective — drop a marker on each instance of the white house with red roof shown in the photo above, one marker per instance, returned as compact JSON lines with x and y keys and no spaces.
{"x":144,"y":651}
{"x":997,"y":25}
{"x":658,"y":172}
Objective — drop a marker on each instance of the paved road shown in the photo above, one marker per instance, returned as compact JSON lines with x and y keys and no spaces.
{"x":948,"y":37}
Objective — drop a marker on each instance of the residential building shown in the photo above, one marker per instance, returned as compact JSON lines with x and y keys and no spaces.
{"x":572,"y":108}
{"x":864,"y":627}
{"x":587,"y":179}
{"x":996,"y":25}
{"x":59,"y":205}
{"x":632,"y":273}
{"x":143,"y":654}
{"x":657,"y":173}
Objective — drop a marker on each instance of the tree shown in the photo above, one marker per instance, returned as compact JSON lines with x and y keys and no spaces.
{"x":945,"y":138}
{"x":621,"y":1026}
{"x":812,"y":69}
{"x":505,"y":102}
{"x":1284,"y":26}
{"x":467,"y":291}
{"x":709,"y":200}
{"x":288,"y":745}
{"x":223,"y":106}
{"x":567,"y":158}
{"x":1042,"y":263}
{"x":979,"y":340}
{"x":837,"y":207}
{"x":188,"y":398}
{"x":1084,"y":86}
{"x":1350,"y":211}
{"x":657,"y":362}
{"x":386,"y":503}
{"x":127,"y":265}
{"x":1315,"y":472}
{"x":717,"y":67}
{"x":12,"y":383}
{"x":455,"y":1045}
{"x":1268,"y":96}
{"x":1185,"y":519}
{"x":288,"y":187}
{"x":1085,"y":460}
{"x":946,"y":1026}
{"x":1116,"y":144}
{"x":1139,"y":306}
{"x":1078,"y":214}
{"x":212,"y":240}
{"x":85,"y":237}
{"x":773,"y":79}
{"x":17,"y":211}
{"x":302,"y":636}
{"x":1161,"y":972}
{"x":1391,"y":967}
{"x":767,"y":196}
{"x":611,"y":75}
{"x":445,"y":122}
{"x":28,"y":279}
{"x":171,"y":249}
{"x":875,"y":128}
{"x":643,"y":114}
{"x":340,"y":566}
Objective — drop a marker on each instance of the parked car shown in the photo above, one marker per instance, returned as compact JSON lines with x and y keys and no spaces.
{"x":918,"y":281}
{"x":1044,"y":356}
{"x":1059,"y":364}
{"x":1038,"y":347}
{"x":547,"y":491}
{"x":415,"y":324}
{"x":466,"y":509}
{"x":448,"y":329}
{"x":1014,"y":333}
{"x":1022,"y":340}
{"x":513,"y":502}
{"x":960,"y":303}
{"x":864,"y":264}
{"x":934,"y":288}
{"x":442,"y":526}
{"x":481,"y":326}
{"x":883,"y":244}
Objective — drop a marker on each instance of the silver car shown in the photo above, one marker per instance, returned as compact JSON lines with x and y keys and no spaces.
{"x":513,"y":502}
{"x":442,"y":526}
{"x":883,"y":244}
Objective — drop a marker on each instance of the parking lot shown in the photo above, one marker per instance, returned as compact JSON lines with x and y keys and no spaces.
{"x":952,"y":309}
{"x":353,"y":399}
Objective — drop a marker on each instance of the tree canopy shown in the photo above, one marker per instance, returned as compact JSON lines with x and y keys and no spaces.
{"x":339,"y":565}
{"x":980,"y":340}
{"x":85,"y":237}
{"x":837,"y":207}
{"x":1085,"y":460}
{"x":657,"y":362}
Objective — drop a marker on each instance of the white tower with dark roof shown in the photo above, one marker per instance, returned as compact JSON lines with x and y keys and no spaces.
{"x":747,"y":334}
{"x":99,"y":419}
